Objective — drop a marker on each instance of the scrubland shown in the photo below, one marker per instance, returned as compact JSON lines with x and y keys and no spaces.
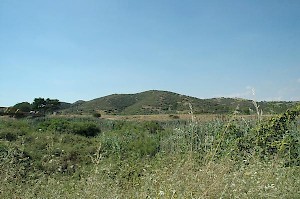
{"x":232,"y":157}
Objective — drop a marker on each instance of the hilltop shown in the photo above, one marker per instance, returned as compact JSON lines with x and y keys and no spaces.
{"x":165,"y":102}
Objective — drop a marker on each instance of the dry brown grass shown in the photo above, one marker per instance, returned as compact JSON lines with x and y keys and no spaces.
{"x":165,"y":117}
{"x":162,"y":117}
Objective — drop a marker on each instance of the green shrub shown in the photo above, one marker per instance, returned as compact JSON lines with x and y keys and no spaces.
{"x":97,"y":115}
{"x":174,"y":116}
{"x":11,"y":131}
{"x":279,"y":136}
{"x":275,"y":137}
{"x":153,"y":127}
{"x":84,"y":128}
{"x":58,"y":125}
{"x":9,"y":136}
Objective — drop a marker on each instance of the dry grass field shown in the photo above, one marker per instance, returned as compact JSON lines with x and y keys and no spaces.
{"x":182,"y":117}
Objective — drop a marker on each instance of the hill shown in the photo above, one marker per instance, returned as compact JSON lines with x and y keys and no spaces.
{"x":164,"y":102}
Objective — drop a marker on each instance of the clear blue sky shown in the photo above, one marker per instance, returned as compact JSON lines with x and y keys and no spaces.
{"x":84,"y":49}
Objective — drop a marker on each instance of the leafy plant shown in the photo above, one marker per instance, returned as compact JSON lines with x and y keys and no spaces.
{"x":84,"y":128}
{"x":97,"y":115}
{"x":278,"y":136}
{"x":153,"y":127}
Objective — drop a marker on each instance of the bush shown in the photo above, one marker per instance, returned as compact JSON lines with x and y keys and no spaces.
{"x":153,"y":127}
{"x":275,"y":137}
{"x":174,"y":116}
{"x":279,"y":136}
{"x":84,"y":128}
{"x":11,"y":134}
{"x":97,"y":115}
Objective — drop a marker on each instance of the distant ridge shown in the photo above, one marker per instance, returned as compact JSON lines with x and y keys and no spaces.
{"x":165,"y":102}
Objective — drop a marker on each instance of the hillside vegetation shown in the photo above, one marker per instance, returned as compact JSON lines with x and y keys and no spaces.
{"x":164,"y":102}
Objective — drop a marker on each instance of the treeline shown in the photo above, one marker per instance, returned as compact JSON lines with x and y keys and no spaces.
{"x":39,"y":106}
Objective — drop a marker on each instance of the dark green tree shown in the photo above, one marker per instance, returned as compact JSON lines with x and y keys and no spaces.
{"x":39,"y":104}
{"x":52,"y":105}
{"x":48,"y":105}
{"x":23,"y":106}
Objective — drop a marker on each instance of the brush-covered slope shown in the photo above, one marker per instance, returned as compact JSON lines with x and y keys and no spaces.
{"x":149,"y":102}
{"x":156,"y":102}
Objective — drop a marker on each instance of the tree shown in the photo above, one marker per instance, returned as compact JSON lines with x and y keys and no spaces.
{"x":48,"y":105}
{"x":23,"y":106}
{"x":97,"y":115}
{"x":52,"y":105}
{"x":39,"y":104}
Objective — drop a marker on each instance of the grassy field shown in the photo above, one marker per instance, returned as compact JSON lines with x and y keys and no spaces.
{"x":166,"y":117}
{"x":161,"y":156}
{"x":163,"y":117}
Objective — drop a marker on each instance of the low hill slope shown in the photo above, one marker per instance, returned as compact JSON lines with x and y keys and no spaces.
{"x":158,"y":102}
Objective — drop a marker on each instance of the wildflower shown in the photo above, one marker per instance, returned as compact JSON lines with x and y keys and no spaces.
{"x":270,"y":186}
{"x":161,"y":193}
